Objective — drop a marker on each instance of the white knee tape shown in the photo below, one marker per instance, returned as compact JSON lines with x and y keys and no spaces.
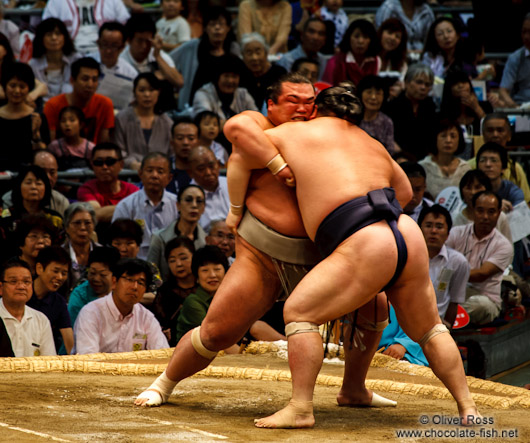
{"x":300,"y":327}
{"x":436,"y":329}
{"x":199,"y":347}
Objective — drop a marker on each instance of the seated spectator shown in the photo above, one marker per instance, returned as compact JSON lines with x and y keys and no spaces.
{"x":357,"y":56}
{"x":79,"y":222}
{"x":197,"y":58}
{"x":140,"y":128}
{"x":184,"y":137}
{"x":53,"y":55}
{"x":144,"y":53}
{"x":22,"y":129}
{"x":332,"y":11}
{"x":83,"y":21}
{"x":373,"y":93}
{"x":417,"y":17}
{"x":209,"y":266}
{"x":488,"y":252}
{"x":31,"y":195}
{"x":101,"y":260}
{"x":448,"y":269}
{"x":190,"y":203}
{"x":312,"y":40}
{"x":117,"y":74}
{"x":52,"y":266}
{"x":393,"y":40}
{"x":413,"y":112}
{"x":492,"y":159}
{"x":260,"y":73}
{"x":442,"y":166}
{"x":472,"y":182}
{"x":204,"y":171}
{"x":106,"y":190}
{"x":515,"y":82}
{"x":271,"y":19}
{"x":152,"y":206}
{"x":223,"y":96}
{"x":307,"y":67}
{"x":70,"y":147}
{"x":118,"y":322}
{"x":7,"y":57}
{"x":33,"y":233}
{"x":29,"y":330}
{"x":179,"y":284}
{"x":418,"y":178}
{"x":125,"y":235}
{"x":98,"y":109}
{"x":10,"y":30}
{"x":209,"y":126}
{"x":221,"y":236}
{"x":172,"y":27}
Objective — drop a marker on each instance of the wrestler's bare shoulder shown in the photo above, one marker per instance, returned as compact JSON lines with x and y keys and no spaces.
{"x":242,"y":120}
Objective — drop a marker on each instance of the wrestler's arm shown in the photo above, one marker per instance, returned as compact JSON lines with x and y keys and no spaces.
{"x":237,"y":176}
{"x":401,"y":184}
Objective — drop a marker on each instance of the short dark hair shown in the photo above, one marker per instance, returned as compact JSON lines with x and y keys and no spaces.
{"x":106,"y":146}
{"x":431,"y":44}
{"x":228,"y":63}
{"x":300,"y":61}
{"x":20,"y":71}
{"x":185,"y":188}
{"x":436,"y":210}
{"x":150,"y":78}
{"x":155,"y":154}
{"x":472,"y":175}
{"x":214,"y":13}
{"x":139,"y":23}
{"x":202,"y":115}
{"x":40,"y":174}
{"x":312,"y":20}
{"x":84,"y":62}
{"x":53,"y":254}
{"x":49,"y":25}
{"x":133,"y":266}
{"x":184,"y":120}
{"x":375,"y":82}
{"x":113,"y":26}
{"x":104,"y":254}
{"x":275,"y":90}
{"x":177,"y":242}
{"x":398,"y":56}
{"x":13,"y":262}
{"x":341,"y":102}
{"x":125,"y":228}
{"x":487,"y":194}
{"x":208,"y":255}
{"x":496,"y":149}
{"x":28,"y":223}
{"x":444,"y":125}
{"x":368,"y":29}
{"x":413,"y":169}
{"x":74,"y":110}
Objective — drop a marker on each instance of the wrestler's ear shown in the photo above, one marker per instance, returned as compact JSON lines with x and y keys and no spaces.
{"x":314,"y":113}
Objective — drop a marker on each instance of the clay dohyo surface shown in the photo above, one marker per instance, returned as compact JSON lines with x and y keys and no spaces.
{"x":89,"y":407}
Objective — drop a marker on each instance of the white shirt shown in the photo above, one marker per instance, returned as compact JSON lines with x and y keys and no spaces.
{"x":100,"y":327}
{"x":174,"y":31}
{"x":85,"y":40}
{"x":449,"y":272}
{"x":32,"y":335}
{"x":144,"y":65}
{"x":217,"y":204}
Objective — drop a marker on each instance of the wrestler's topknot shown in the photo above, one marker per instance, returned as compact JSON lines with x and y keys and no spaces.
{"x":341,"y":101}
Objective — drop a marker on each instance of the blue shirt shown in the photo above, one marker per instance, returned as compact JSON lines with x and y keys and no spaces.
{"x":80,"y":296}
{"x":138,"y":207}
{"x":511,"y":192}
{"x":516,"y":75}
{"x":290,"y":57}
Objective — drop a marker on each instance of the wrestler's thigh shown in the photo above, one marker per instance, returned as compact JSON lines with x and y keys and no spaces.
{"x":413,"y":296}
{"x":247,"y":292}
{"x":351,"y":276}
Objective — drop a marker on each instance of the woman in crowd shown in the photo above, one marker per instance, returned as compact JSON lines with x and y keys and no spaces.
{"x":191,"y":204}
{"x":126,"y":236}
{"x":357,"y":56}
{"x":79,"y":222}
{"x":442,"y":166}
{"x":140,"y":129}
{"x":22,"y":129}
{"x":177,"y":286}
{"x":372,"y":91}
{"x":53,"y":54}
{"x":270,"y":18}
{"x":393,"y":40}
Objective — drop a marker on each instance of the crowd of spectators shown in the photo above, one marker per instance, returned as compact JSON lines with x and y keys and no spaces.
{"x":109,"y":265}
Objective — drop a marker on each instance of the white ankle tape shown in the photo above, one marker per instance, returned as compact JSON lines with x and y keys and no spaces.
{"x":440,"y":328}
{"x":300,"y":327}
{"x":164,"y":386}
{"x":199,"y":347}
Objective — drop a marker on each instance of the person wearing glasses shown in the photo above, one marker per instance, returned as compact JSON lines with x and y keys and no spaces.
{"x":118,"y":322}
{"x":221,"y":236}
{"x":29,"y":330}
{"x":106,"y":190}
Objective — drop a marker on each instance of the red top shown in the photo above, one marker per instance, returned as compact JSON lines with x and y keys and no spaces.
{"x":89,"y":191}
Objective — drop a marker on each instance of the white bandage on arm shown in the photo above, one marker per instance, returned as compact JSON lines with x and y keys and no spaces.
{"x":199,"y":347}
{"x":436,"y":329}
{"x":276,"y":164}
{"x":300,"y":327}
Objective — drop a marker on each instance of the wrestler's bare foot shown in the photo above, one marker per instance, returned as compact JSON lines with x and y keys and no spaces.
{"x":297,"y":414}
{"x":468,"y":412}
{"x":149,"y":397}
{"x":364,"y":398}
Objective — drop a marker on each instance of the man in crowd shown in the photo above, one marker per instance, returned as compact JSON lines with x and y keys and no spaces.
{"x":488,"y":252}
{"x":184,"y":137}
{"x":152,"y":206}
{"x":29,"y":330}
{"x":98,"y":109}
{"x":418,"y":181}
{"x":448,"y":269}
{"x":118,"y":322}
{"x":106,"y":190}
{"x":221,"y":236}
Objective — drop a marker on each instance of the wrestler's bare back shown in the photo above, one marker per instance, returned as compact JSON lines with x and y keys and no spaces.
{"x":334,"y":161}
